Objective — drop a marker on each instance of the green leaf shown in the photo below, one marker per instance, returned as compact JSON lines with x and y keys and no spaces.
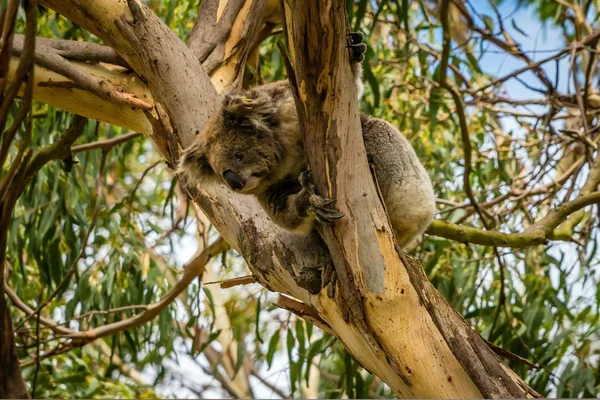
{"x":94,"y":385}
{"x":360,"y":14}
{"x":75,"y":378}
{"x":488,"y":22}
{"x":435,"y":101}
{"x":301,"y":337}
{"x":516,"y":27}
{"x":172,"y":4}
{"x":368,"y":74}
{"x":239,"y":358}
{"x":257,"y":324}
{"x":314,"y":349}
{"x":211,"y":305}
{"x":350,"y":370}
{"x":273,"y":343}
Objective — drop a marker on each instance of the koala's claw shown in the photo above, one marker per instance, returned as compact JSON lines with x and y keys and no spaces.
{"x":356,"y":46}
{"x":356,"y":37}
{"x":328,"y":202}
{"x":317,"y":204}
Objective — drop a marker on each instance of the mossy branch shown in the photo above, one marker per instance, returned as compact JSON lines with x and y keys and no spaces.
{"x":540,"y":232}
{"x":469,"y":235}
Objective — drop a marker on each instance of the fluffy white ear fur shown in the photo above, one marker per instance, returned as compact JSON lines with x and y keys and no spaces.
{"x":194,"y":164}
{"x":360,"y":86}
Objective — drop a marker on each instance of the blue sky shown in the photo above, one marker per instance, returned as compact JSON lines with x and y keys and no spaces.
{"x":541,"y":41}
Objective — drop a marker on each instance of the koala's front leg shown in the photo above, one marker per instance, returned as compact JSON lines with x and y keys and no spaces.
{"x":317,"y":205}
{"x":294,"y":205}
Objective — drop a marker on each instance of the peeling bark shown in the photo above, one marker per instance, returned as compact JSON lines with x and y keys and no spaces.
{"x":61,"y":92}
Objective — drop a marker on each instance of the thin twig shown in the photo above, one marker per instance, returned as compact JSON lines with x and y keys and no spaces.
{"x":80,"y":338}
{"x":229,"y":283}
{"x":82,"y":51}
{"x":575,"y":46}
{"x":37,"y":358}
{"x":304,"y":311}
{"x":268,"y":384}
{"x":193,"y":269}
{"x":84,"y":243}
{"x":109,"y":311}
{"x":106,"y":144}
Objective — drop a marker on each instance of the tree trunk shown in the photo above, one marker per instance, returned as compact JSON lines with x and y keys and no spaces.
{"x":382,"y":307}
{"x":12,"y":385}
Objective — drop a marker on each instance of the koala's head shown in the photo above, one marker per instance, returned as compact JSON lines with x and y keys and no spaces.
{"x":239,"y":144}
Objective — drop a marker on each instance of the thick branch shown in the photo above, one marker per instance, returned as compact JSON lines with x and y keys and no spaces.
{"x":12,"y":384}
{"x":468,"y":235}
{"x":61,"y":92}
{"x":222,"y":36}
{"x":47,"y":57}
{"x":378,"y":290}
{"x":82,"y":51}
{"x":372,"y":278}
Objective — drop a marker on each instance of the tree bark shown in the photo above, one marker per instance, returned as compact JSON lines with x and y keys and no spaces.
{"x":59,"y":91}
{"x":12,"y":385}
{"x":383,"y":309}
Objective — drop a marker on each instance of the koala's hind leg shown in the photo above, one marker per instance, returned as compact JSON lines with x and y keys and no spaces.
{"x":404,"y":183}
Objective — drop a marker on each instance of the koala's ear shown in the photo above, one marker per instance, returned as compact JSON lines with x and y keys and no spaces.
{"x":194,"y":163}
{"x":238,"y":109}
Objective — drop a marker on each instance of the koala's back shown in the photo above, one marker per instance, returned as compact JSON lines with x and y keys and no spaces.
{"x":403,"y":181}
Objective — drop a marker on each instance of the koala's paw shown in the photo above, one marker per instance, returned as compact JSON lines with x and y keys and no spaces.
{"x":317,"y":205}
{"x":357,"y":46}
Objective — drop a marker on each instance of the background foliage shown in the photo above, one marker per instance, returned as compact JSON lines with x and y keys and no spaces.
{"x":119,"y":223}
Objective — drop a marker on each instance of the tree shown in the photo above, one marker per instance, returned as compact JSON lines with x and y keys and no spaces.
{"x":379,"y":303}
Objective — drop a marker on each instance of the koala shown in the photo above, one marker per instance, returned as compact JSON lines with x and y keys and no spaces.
{"x":254,"y":145}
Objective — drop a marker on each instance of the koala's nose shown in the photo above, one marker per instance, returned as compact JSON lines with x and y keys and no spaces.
{"x":235,"y":181}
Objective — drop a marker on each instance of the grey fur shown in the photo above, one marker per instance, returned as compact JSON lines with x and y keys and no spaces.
{"x":257,"y":136}
{"x":403,"y":181}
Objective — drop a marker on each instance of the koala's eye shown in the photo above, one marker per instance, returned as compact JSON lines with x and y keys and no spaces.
{"x":239,"y":155}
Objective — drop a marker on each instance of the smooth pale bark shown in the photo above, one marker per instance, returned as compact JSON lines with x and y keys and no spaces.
{"x":225,"y":33}
{"x":396,"y":325}
{"x":58,"y":91}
